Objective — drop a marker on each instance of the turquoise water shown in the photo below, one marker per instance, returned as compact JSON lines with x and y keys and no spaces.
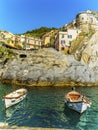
{"x":44,"y":107}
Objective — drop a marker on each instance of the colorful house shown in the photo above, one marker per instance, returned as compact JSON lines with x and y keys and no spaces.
{"x":47,"y":38}
{"x":20,"y":41}
{"x":64,"y":38}
{"x":8,"y":38}
{"x":23,"y":41}
{"x":33,"y":43}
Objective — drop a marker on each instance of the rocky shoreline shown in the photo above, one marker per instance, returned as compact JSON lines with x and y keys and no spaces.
{"x":5,"y":126}
{"x":46,"y":67}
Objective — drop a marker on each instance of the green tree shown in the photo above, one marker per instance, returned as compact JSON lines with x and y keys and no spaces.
{"x":39,"y":32}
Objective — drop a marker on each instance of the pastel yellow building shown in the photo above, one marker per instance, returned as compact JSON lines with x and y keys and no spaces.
{"x":48,"y":36}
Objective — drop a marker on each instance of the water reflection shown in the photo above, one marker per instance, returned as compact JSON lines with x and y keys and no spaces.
{"x":10,"y":111}
{"x":72,"y":116}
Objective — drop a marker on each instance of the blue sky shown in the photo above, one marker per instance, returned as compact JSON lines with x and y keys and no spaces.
{"x":18,"y":16}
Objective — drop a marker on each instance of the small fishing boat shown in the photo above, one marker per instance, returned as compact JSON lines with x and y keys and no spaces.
{"x":77,"y":101}
{"x":14,"y":97}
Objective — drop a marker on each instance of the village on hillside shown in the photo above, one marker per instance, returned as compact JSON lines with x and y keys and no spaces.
{"x":60,"y":39}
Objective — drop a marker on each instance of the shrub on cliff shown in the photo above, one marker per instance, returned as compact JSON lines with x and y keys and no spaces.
{"x":6,"y":52}
{"x":78,"y":43}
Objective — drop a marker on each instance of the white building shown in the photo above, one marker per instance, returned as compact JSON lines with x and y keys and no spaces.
{"x":87,"y":18}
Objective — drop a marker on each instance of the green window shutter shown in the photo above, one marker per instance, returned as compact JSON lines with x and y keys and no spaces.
{"x":69,"y":36}
{"x":62,"y":35}
{"x":34,"y":44}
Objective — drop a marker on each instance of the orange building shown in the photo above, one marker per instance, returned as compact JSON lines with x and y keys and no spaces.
{"x":33,"y":43}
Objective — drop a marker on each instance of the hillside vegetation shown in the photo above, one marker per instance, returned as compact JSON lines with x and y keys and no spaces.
{"x":6,"y":52}
{"x":39,"y":32}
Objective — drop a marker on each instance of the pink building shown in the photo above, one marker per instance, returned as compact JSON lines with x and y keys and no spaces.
{"x":64,"y":38}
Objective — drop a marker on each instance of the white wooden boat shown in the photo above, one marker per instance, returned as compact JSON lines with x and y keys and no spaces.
{"x":14,"y":97}
{"x":77,"y":101}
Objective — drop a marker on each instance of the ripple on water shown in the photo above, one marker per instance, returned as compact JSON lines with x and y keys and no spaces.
{"x":45,"y":107}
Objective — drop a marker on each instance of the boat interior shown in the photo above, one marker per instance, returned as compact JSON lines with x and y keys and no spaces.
{"x":74,"y":97}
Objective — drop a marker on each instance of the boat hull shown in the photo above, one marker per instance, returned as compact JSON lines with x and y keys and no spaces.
{"x":79,"y":107}
{"x":14,"y":97}
{"x":11,"y":102}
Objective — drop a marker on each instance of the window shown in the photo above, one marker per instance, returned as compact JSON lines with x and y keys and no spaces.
{"x":82,"y":18}
{"x":69,"y":36}
{"x":97,"y":18}
{"x":63,"y":43}
{"x":62,"y":35}
{"x":77,"y":31}
{"x":28,"y":41}
{"x":34,"y":44}
{"x":91,"y":20}
{"x":27,"y":46}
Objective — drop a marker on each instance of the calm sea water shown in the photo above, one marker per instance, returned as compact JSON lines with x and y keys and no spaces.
{"x":44,"y":107}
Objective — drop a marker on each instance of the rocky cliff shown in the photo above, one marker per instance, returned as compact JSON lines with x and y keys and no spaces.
{"x":46,"y":67}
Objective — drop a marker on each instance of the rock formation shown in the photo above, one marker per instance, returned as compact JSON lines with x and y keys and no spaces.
{"x":46,"y":67}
